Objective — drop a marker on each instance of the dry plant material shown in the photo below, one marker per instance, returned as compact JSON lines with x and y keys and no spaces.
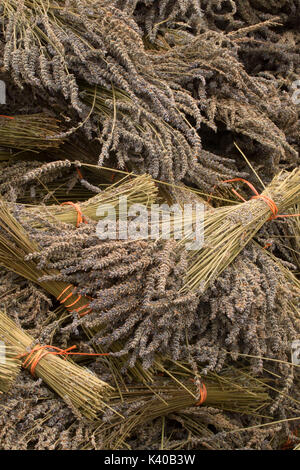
{"x":228,"y":229}
{"x":34,"y":417}
{"x":29,"y":132}
{"x":15,"y":246}
{"x":10,"y":366}
{"x":230,"y":390}
{"x":154,"y":15}
{"x":138,"y":190}
{"x":138,"y":308}
{"x":54,"y":46}
{"x":15,"y":185}
{"x":74,"y":384}
{"x":144,"y":117}
{"x":252,"y":308}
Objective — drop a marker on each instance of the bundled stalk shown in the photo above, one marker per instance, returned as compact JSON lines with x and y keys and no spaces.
{"x":139,"y":190}
{"x":228,"y":229}
{"x":76,"y":385}
{"x":18,"y":253}
{"x":27,"y":132}
{"x":10,"y":366}
{"x":232,"y":390}
{"x":15,"y":245}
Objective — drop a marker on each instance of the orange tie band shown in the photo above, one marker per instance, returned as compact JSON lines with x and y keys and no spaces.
{"x":7,"y":117}
{"x":79,"y":174}
{"x":70,"y":294}
{"x":80,"y":217}
{"x":272,"y":205}
{"x":203,"y":394}
{"x":33,"y":357}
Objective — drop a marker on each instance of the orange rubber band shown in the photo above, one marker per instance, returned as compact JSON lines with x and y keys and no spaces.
{"x":79,"y":174}
{"x":203,"y":394}
{"x":8,"y":117}
{"x":33,"y":358}
{"x":80,"y":217}
{"x":267,"y":246}
{"x":79,"y":309}
{"x":71,"y":305}
{"x":68,"y":296}
{"x":62,"y":293}
{"x":272,"y":205}
{"x":288,"y":444}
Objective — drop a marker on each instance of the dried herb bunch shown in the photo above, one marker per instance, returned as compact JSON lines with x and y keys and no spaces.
{"x":32,"y":131}
{"x":135,"y":190}
{"x":137,"y":307}
{"x":109,"y":277}
{"x":141,"y":108}
{"x":141,"y":404}
{"x":151,"y":103}
{"x":31,"y":417}
{"x":260,"y":49}
{"x":71,"y":382}
{"x":19,"y":181}
{"x":35,"y":303}
{"x":18,"y":253}
{"x":52,"y":46}
{"x":228,"y":229}
{"x":203,"y":428}
{"x":155,"y":15}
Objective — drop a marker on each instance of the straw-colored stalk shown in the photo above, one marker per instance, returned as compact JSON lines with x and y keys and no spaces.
{"x":75,"y":384}
{"x":10,"y":366}
{"x":232,"y":390}
{"x":138,"y":190}
{"x":26,"y":132}
{"x":228,"y":229}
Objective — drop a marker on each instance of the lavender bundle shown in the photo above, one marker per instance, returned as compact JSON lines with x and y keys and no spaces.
{"x":115,"y":86}
{"x":228,"y":229}
{"x":29,"y":132}
{"x":76,"y":385}
{"x":15,"y":246}
{"x":232,"y":390}
{"x":138,"y":190}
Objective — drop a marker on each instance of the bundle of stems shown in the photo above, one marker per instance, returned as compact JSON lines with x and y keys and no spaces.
{"x":15,"y":245}
{"x":232,"y":390}
{"x":29,"y":132}
{"x":139,"y":190}
{"x":76,"y":385}
{"x":228,"y":229}
{"x":10,"y":366}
